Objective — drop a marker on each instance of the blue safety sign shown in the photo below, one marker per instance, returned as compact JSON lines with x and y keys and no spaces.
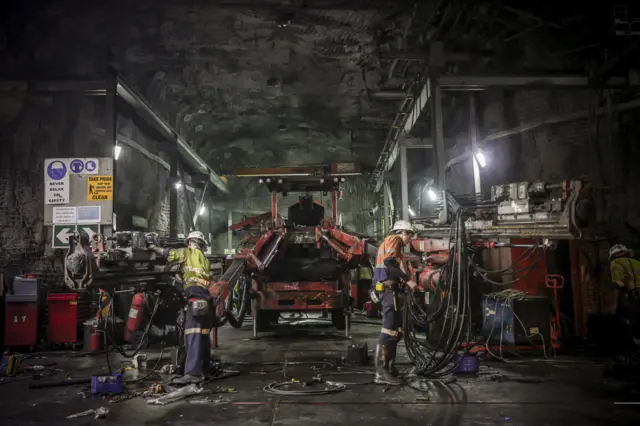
{"x":90,"y":166}
{"x":77,"y":166}
{"x":56,"y":170}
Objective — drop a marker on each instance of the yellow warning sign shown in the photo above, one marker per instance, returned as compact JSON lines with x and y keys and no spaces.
{"x":99,"y":188}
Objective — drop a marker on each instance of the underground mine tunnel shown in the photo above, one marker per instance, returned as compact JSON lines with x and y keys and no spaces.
{"x":319,"y":211}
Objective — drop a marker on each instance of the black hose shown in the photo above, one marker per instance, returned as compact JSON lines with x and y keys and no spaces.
{"x":236,"y":321}
{"x":435,"y":360}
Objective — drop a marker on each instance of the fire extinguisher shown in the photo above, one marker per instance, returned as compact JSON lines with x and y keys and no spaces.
{"x":135,"y":318}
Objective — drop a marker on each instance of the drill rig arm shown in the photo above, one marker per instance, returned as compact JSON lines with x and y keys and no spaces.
{"x":256,"y":254}
{"x":347,"y":247}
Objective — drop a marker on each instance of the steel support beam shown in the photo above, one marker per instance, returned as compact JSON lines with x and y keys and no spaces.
{"x":388,"y":95}
{"x":409,"y":120}
{"x":85,"y":87}
{"x":385,"y":211}
{"x":196,"y":215}
{"x":173,"y":195}
{"x":437,"y":130}
{"x":110,"y":124}
{"x":411,"y":143}
{"x":574,"y":116}
{"x":424,"y":56}
{"x":127,"y":94}
{"x":229,"y":231}
{"x":404,"y":183}
{"x":473,"y":136}
{"x":454,"y":83}
{"x":148,"y":114}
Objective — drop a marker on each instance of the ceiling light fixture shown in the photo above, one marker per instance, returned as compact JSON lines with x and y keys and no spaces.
{"x":480,"y":158}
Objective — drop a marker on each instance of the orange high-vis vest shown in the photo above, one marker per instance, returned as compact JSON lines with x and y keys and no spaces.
{"x":391,"y":247}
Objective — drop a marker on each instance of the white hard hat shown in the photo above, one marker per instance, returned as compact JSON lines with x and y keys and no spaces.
{"x":617,"y":250}
{"x":402,"y":225}
{"x":196,"y":235}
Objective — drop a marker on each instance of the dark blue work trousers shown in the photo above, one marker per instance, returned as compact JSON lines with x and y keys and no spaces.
{"x":197,"y":336}
{"x":391,"y":317}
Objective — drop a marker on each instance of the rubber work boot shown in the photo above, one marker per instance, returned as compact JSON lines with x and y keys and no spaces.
{"x":383,"y":375}
{"x":187,"y":379}
{"x":393,"y":350}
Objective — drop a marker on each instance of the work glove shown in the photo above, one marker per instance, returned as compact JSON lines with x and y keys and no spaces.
{"x":412,"y":285}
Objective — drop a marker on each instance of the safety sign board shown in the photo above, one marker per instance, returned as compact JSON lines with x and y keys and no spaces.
{"x":90,"y":229}
{"x":56,"y":181}
{"x":64,"y":215}
{"x":89,"y":214}
{"x":61,"y":233}
{"x":87,"y":166}
{"x":99,"y":188}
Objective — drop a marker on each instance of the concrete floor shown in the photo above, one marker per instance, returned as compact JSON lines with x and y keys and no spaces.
{"x":562,"y":392}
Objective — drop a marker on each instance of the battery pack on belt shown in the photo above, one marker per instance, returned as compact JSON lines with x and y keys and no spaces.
{"x":379,"y":286}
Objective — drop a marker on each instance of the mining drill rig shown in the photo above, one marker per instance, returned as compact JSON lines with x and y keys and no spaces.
{"x":116,"y":268}
{"x":301,"y":263}
{"x":482,"y":265}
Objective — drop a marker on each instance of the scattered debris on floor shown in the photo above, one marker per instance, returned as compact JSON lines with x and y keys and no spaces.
{"x":99,"y":413}
{"x":179,"y":394}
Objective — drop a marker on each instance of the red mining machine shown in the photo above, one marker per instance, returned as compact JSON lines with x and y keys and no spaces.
{"x":301,"y":263}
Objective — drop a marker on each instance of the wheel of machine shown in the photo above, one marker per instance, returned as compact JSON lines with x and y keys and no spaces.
{"x":338,"y":319}
{"x":266,"y":319}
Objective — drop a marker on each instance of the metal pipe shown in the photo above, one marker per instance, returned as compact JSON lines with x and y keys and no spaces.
{"x":389,"y":95}
{"x":173,"y":196}
{"x":385,"y":212}
{"x":437,"y":130}
{"x":404,"y":185}
{"x":146,"y":112}
{"x":473,"y":136}
{"x":111,"y":119}
{"x":229,"y":231}
{"x":458,"y":82}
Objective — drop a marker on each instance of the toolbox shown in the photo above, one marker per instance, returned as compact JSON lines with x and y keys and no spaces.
{"x":67,"y":312}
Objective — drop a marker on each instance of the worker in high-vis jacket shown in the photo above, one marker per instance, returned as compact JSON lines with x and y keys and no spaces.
{"x":390,"y":281}
{"x":625,"y":276}
{"x":196,"y":276}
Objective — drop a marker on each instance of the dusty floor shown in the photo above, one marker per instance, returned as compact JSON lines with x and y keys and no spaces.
{"x":562,"y":392}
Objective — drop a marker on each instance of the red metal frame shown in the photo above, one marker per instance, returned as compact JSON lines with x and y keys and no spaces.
{"x":299,"y":295}
{"x":259,"y":250}
{"x":334,"y":205}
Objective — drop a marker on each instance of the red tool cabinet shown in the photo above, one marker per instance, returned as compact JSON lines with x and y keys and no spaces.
{"x":65,"y":316}
{"x":21,"y":321}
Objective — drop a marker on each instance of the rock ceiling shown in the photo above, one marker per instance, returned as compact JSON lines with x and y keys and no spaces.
{"x":246,"y":85}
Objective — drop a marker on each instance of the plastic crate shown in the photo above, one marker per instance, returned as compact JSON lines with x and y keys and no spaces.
{"x":110,"y":383}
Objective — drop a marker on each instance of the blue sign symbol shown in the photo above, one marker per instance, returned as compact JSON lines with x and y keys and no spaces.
{"x":90,"y":166}
{"x":56,"y":170}
{"x":76,"y":166}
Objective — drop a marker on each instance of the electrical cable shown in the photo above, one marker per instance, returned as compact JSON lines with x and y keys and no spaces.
{"x":276,"y":389}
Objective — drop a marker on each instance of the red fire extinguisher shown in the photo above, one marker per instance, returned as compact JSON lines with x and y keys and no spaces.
{"x":135,"y":317}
